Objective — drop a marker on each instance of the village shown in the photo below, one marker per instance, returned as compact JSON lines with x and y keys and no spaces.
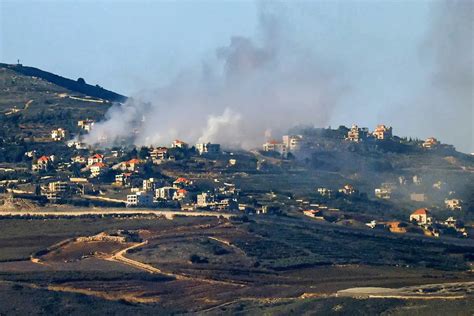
{"x":199,"y":177}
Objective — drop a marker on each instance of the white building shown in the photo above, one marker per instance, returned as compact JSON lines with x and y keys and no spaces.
{"x":141,"y":198}
{"x":208,"y":148}
{"x":58,"y":134}
{"x":165,"y":193}
{"x":205,"y":199}
{"x":292,"y":142}
{"x":453,"y":204}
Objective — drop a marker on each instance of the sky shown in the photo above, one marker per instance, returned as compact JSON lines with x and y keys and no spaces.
{"x":378,"y":51}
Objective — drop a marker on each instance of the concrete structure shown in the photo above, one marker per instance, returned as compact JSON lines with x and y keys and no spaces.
{"x":208,"y":148}
{"x":430,"y":143}
{"x":141,"y":198}
{"x":97,"y":158}
{"x":97,"y":168}
{"x":273,"y":145}
{"x":58,"y":134}
{"x":382,"y":132}
{"x":292,"y":142}
{"x":418,"y":197}
{"x":86,"y":124}
{"x":42,"y":164}
{"x":357,"y":134}
{"x":205,"y":199}
{"x":453,"y":204}
{"x":164,"y":193}
{"x":421,"y":216}
{"x":383,"y":193}
{"x":179,"y":144}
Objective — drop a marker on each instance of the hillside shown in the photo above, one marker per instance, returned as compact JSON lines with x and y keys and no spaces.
{"x":79,"y":86}
{"x":33,"y":102}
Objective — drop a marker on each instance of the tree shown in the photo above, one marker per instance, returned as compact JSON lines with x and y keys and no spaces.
{"x":81,"y":81}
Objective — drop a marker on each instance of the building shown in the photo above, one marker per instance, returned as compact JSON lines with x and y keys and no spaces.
{"x":79,"y":159}
{"x":316,"y":214}
{"x":205,"y":199}
{"x":179,"y":144}
{"x":141,"y":199}
{"x":55,"y":191}
{"x":396,"y":227}
{"x":123,"y":179}
{"x":97,"y":168}
{"x":86,"y":124}
{"x":453,"y":204}
{"x":357,"y":134}
{"x":418,"y":197}
{"x":180,"y":194}
{"x":131,"y":165}
{"x":430,"y":143}
{"x":149,"y":184}
{"x":383,"y":193}
{"x":382,"y":132}
{"x":159,"y":154}
{"x":42,"y":164}
{"x":273,"y":145}
{"x":58,"y":134}
{"x":292,"y":142}
{"x":165,"y":193}
{"x":182,"y":182}
{"x":325,"y":192}
{"x":97,"y":158}
{"x":417,"y":180}
{"x":348,"y":190}
{"x":421,"y":216}
{"x":208,"y":148}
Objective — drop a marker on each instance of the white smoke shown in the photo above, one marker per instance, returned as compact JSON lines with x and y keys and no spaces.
{"x":250,"y":87}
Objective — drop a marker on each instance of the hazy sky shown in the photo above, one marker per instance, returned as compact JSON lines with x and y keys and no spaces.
{"x":375,"y":47}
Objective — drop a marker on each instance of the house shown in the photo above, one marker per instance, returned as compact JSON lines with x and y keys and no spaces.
{"x":273,"y":145}
{"x":55,"y":191}
{"x":417,"y":180}
{"x":418,"y":197}
{"x":348,"y":190}
{"x":421,"y":216}
{"x":451,"y":222}
{"x":97,"y":158}
{"x":453,"y":204}
{"x":97,"y":168}
{"x":86,"y":124}
{"x":79,"y":159}
{"x":140,"y":198}
{"x":42,"y":164}
{"x":316,"y":214}
{"x":383,"y":193}
{"x":149,"y":184}
{"x":232,"y":162}
{"x":430,"y":143}
{"x":159,"y":154}
{"x":382,"y":132}
{"x":325,"y":192}
{"x":58,"y":134}
{"x":123,"y":179}
{"x":356,"y":134}
{"x":180,"y":194}
{"x":205,"y":199}
{"x":132,"y":165}
{"x":292,"y":142}
{"x":182,"y":182}
{"x":165,"y":193}
{"x":179,"y":144}
{"x":208,"y":148}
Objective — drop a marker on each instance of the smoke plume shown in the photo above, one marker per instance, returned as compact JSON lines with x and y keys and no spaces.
{"x":251,"y":86}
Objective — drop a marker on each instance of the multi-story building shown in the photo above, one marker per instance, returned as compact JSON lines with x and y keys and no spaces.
{"x":205,"y":199}
{"x":430,"y":143}
{"x":453,"y":204}
{"x":382,"y":132}
{"x":97,"y":158}
{"x":292,"y":142}
{"x":86,"y":124}
{"x":165,"y":193}
{"x":141,"y":199}
{"x":208,"y":148}
{"x":179,"y":144}
{"x":58,"y":134}
{"x":357,"y":134}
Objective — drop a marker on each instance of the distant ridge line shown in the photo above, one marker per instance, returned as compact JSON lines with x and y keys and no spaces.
{"x":73,"y":85}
